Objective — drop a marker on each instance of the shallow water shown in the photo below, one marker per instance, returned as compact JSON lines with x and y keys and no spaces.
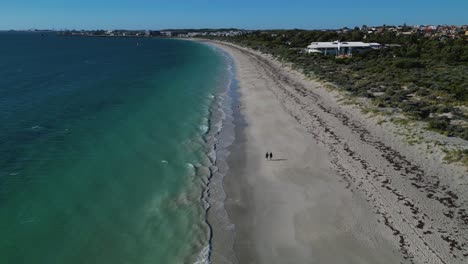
{"x":102,"y":151}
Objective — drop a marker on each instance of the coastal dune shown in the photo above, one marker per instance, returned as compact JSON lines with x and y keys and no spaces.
{"x":335,"y":191}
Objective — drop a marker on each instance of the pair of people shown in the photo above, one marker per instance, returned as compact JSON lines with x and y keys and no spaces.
{"x":269,"y":155}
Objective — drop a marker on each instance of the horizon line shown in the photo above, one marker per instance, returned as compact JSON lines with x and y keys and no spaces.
{"x":226,"y":28}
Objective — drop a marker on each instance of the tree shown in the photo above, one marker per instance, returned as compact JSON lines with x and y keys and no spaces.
{"x":357,"y":35}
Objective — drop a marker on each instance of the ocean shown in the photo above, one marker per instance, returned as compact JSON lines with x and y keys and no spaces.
{"x":107,"y":146}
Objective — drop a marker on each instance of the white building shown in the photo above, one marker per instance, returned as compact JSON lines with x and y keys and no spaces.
{"x":340,"y":48}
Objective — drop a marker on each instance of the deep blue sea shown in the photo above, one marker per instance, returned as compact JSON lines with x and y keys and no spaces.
{"x":103,"y":151}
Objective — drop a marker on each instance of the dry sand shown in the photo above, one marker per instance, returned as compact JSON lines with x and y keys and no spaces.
{"x":338,"y":189}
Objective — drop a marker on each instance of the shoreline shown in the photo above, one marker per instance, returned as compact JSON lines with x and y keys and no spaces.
{"x":223,"y":230}
{"x":338,"y":189}
{"x":219,"y":138}
{"x":248,"y":246}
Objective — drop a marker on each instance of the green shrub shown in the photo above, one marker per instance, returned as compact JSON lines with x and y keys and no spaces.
{"x":457,"y":155}
{"x":408,"y":64}
{"x":441,"y":124}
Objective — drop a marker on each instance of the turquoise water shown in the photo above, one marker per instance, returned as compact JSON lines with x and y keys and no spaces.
{"x":102,"y":157}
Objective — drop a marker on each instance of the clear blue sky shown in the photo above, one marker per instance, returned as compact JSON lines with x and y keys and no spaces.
{"x":249,"y":14}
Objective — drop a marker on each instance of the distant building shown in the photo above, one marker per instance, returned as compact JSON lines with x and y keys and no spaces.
{"x":155,"y":33}
{"x":166,"y":33}
{"x":340,"y":48}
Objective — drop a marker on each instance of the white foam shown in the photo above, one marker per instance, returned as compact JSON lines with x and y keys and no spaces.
{"x":204,"y":128}
{"x":191,"y":169}
{"x":164,"y":161}
{"x":204,"y":256}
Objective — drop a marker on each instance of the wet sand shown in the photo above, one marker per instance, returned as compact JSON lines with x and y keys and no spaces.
{"x":333,"y":193}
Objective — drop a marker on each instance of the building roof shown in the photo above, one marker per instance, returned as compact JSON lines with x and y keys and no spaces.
{"x":337,"y":44}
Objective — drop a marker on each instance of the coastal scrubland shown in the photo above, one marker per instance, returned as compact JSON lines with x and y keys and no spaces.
{"x":421,"y":77}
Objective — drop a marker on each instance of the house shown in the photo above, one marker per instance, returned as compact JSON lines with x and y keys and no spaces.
{"x":340,"y":48}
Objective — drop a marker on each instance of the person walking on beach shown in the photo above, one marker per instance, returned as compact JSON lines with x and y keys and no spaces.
{"x":271,"y":155}
{"x":266,"y":155}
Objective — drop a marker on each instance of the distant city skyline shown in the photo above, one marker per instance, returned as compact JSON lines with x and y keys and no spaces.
{"x":273,"y":14}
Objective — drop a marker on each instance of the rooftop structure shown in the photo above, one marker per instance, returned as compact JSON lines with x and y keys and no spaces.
{"x":340,"y":48}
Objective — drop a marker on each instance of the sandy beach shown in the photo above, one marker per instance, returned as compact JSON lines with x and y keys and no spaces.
{"x":339,"y":188}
